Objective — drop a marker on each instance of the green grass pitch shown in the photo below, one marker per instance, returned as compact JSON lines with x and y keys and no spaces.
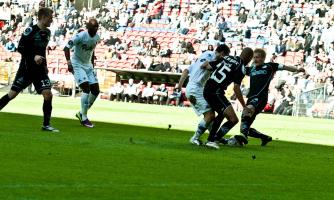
{"x":131,"y":154}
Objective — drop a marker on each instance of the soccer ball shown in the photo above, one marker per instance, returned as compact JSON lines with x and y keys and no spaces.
{"x":232,"y":141}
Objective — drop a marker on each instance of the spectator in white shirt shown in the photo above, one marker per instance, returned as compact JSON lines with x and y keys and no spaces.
{"x":116,"y":91}
{"x":130,"y":92}
{"x":148,"y":93}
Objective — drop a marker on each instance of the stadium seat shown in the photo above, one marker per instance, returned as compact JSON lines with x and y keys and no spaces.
{"x":186,"y":103}
{"x":280,"y":59}
{"x":288,"y":62}
{"x":290,"y":53}
{"x":63,"y":70}
{"x":51,"y":70}
{"x":288,"y":59}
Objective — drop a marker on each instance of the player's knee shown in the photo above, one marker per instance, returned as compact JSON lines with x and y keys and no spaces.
{"x":209,"y":116}
{"x":85,"y":87}
{"x":95,"y":91}
{"x":234,"y":120}
{"x":12,"y":94}
{"x":85,"y":90}
{"x":245,"y":117}
{"x":47,"y":95}
{"x":244,"y":112}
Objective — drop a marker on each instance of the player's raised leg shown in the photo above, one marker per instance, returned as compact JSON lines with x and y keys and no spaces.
{"x":7,"y":98}
{"x":21,"y":81}
{"x":247,"y":119}
{"x":265,"y":139}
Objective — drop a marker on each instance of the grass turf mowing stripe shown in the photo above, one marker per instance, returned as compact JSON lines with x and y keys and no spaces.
{"x":118,"y":161}
{"x":286,"y":128}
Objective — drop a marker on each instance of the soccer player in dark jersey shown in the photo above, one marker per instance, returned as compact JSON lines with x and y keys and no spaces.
{"x":230,"y":69}
{"x":198,"y":75}
{"x":260,"y":76}
{"x":33,"y":69}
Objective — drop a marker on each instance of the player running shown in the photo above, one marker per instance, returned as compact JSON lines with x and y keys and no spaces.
{"x":198,"y":73}
{"x":230,"y":69}
{"x":81,"y":64}
{"x":33,"y":69}
{"x":260,"y":76}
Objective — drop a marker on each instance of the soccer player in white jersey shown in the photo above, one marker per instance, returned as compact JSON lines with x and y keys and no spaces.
{"x":198,"y":74}
{"x":81,"y":64}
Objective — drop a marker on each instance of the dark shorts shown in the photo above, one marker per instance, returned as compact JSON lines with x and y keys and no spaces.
{"x":259,"y":103}
{"x":216,"y":99}
{"x":24,"y":77}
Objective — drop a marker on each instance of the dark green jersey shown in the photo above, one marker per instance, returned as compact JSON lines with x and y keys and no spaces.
{"x":260,"y":78}
{"x":33,"y":42}
{"x":229,"y":69}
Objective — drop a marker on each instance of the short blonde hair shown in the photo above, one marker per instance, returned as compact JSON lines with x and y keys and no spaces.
{"x":262,"y":52}
{"x":44,"y":12}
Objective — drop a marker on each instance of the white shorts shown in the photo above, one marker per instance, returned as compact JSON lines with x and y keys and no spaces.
{"x":84,"y":73}
{"x":196,"y":92}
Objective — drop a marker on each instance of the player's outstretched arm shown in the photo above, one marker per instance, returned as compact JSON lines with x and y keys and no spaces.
{"x":183,"y":77}
{"x":293,"y":69}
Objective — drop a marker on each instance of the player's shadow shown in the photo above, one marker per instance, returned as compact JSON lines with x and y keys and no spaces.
{"x":115,"y":134}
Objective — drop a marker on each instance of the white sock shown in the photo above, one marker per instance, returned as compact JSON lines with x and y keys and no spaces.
{"x":91,"y":100}
{"x":84,"y":105}
{"x":201,"y":128}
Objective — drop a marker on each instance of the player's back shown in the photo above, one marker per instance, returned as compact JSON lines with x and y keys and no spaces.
{"x":230,"y":69}
{"x":84,"y":46}
{"x":198,"y":75}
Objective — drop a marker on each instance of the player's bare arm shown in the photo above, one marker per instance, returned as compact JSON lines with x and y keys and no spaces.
{"x":248,"y":111}
{"x":93,"y":59}
{"x":293,"y":69}
{"x":239,"y":96}
{"x":68,"y":59}
{"x":183,"y":77}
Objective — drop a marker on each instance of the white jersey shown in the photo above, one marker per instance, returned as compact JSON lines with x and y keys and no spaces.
{"x":197,"y":75}
{"x":84,"y":46}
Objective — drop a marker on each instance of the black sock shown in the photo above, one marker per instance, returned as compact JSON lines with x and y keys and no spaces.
{"x":4,"y":101}
{"x":215,"y":126}
{"x":47,"y":109}
{"x":256,"y":134}
{"x":246,"y":122}
{"x":226,"y":127}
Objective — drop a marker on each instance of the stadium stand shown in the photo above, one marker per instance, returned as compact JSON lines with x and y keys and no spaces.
{"x":167,"y":35}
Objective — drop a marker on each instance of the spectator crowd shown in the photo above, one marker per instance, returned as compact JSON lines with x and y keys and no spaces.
{"x":283,"y":27}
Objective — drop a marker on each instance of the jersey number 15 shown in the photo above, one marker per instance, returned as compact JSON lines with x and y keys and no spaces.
{"x":220,"y":74}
